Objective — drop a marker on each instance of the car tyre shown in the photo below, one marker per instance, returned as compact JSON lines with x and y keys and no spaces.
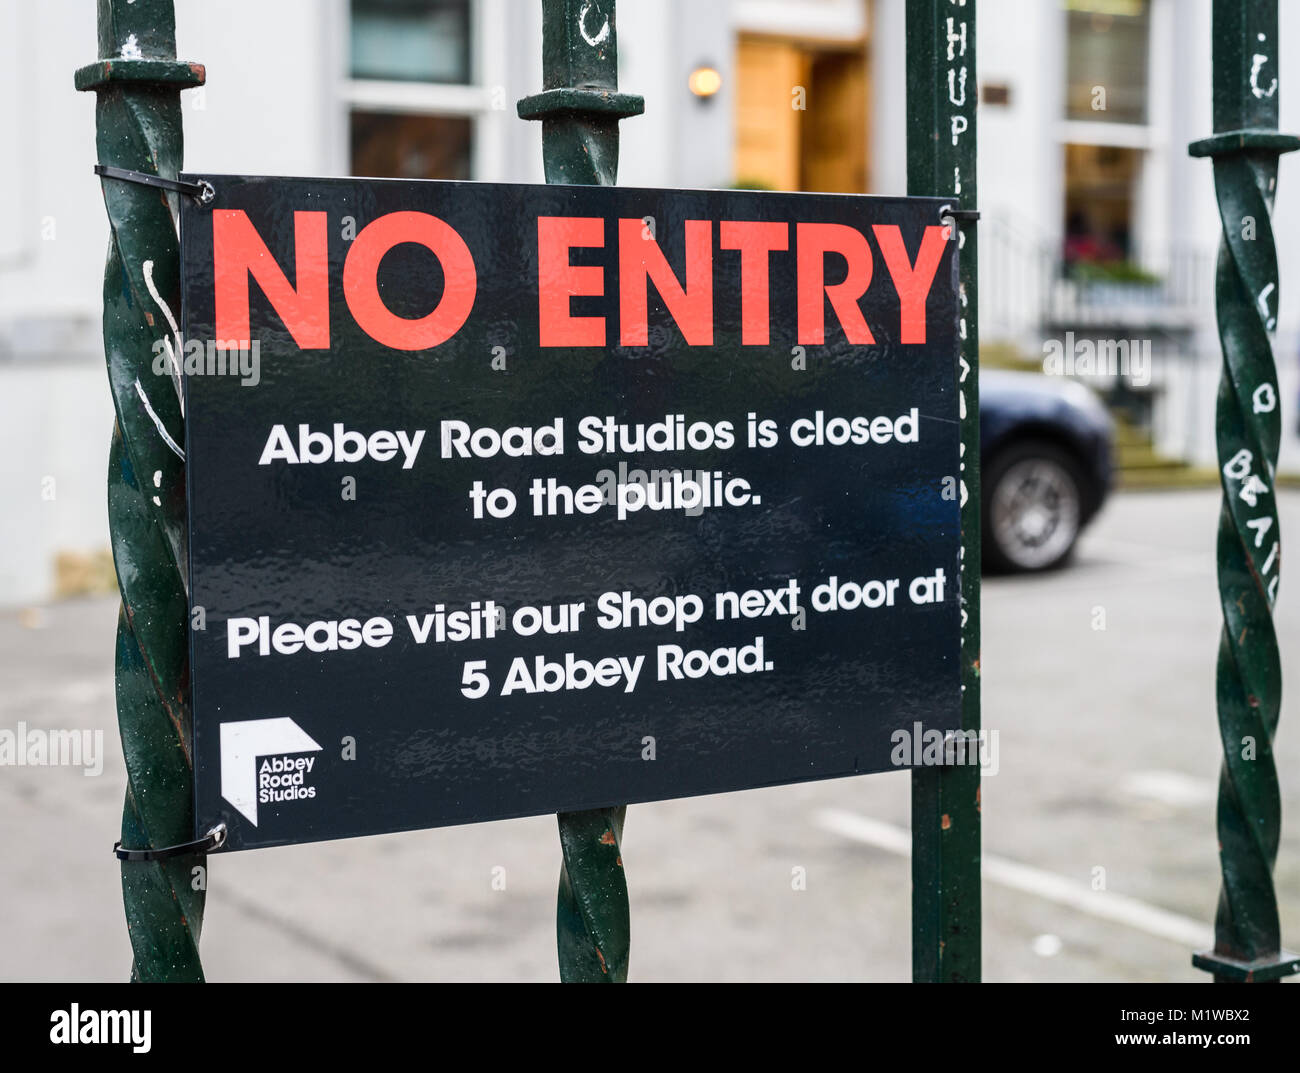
{"x":1033,"y":507}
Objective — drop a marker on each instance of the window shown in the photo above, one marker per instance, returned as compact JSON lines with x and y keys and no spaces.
{"x":411,"y":40}
{"x":1107,"y":141}
{"x":1100,"y":188}
{"x":413,"y":110}
{"x":411,"y":146}
{"x":1106,"y":63}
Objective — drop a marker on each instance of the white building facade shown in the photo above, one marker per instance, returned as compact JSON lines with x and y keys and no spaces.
{"x":809,"y":94}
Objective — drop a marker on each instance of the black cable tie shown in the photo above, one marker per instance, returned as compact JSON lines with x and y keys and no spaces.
{"x":201,"y":191}
{"x":214,"y":839}
{"x":961,"y":215}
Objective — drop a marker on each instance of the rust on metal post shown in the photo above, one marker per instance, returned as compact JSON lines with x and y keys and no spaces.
{"x":579,"y":108}
{"x":138,"y":81}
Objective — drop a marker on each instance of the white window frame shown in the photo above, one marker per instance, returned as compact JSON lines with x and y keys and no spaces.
{"x":1151,"y":224}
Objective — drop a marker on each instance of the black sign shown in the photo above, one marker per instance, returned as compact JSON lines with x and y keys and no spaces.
{"x":507,"y":500}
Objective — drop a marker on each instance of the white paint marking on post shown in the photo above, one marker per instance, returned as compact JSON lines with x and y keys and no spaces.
{"x":600,"y":36}
{"x":1269,"y":322}
{"x":1169,"y":788}
{"x":1106,"y":905}
{"x":1257,"y":62}
{"x":157,"y":421}
{"x":173,"y":360}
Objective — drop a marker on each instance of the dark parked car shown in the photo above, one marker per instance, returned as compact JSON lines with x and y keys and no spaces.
{"x":1046,"y":467}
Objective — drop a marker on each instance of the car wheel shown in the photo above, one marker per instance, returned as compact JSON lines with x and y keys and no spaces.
{"x":1033,"y":507}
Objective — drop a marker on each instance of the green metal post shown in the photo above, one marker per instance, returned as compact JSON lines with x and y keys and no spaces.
{"x":941,"y":95}
{"x":580,"y":107}
{"x":1245,"y":150}
{"x":138,"y":126}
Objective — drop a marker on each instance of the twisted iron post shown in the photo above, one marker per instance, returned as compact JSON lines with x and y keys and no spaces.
{"x":941,"y":98}
{"x":579,"y":108}
{"x":138,"y":126}
{"x":1245,"y":149}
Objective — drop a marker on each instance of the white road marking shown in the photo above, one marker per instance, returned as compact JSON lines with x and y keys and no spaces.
{"x":1169,"y":788}
{"x":1106,"y":905}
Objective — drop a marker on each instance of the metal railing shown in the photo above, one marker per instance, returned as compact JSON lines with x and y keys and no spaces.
{"x":139,"y":128}
{"x":1248,"y":425}
{"x":1033,"y":289}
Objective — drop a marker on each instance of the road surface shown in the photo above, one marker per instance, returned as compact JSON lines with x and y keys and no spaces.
{"x":1101,"y":861}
